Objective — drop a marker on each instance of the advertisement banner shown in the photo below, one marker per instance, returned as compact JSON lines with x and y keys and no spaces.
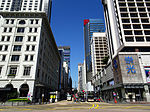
{"x":147,"y":72}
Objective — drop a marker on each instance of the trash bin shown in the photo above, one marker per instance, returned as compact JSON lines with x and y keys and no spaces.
{"x":53,"y":100}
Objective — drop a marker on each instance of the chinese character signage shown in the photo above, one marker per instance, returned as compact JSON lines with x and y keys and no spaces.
{"x":130,"y":65}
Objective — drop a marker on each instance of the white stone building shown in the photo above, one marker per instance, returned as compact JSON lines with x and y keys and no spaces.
{"x":29,"y":58}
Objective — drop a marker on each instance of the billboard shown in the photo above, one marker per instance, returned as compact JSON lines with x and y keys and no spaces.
{"x":147,"y":72}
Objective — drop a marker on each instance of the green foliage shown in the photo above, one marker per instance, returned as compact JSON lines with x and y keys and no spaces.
{"x":11,"y":74}
{"x":105,"y":60}
{"x":18,"y":99}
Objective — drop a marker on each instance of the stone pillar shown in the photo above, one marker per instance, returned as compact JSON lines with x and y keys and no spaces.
{"x":147,"y":94}
{"x":124,"y":95}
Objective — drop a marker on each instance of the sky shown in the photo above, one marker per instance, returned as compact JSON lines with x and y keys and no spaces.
{"x":67,"y":27}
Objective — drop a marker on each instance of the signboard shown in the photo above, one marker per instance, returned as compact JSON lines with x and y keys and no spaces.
{"x":147,"y":72}
{"x":130,"y":65}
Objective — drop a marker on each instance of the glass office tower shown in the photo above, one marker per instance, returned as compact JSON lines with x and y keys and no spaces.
{"x":90,"y":26}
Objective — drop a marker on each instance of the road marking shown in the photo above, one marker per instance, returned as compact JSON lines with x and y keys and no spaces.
{"x":96,"y":106}
{"x":92,"y":106}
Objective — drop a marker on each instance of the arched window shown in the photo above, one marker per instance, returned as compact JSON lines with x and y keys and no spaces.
{"x":22,"y":22}
{"x":24,"y":89}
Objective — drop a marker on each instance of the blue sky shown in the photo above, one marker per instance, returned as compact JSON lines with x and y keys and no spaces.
{"x":67,"y":27}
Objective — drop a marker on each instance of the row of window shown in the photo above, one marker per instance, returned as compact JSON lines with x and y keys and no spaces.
{"x":137,"y":32}
{"x":133,"y":4}
{"x":18,"y":38}
{"x":17,"y":47}
{"x":22,"y":22}
{"x":136,"y":26}
{"x":137,"y":39}
{"x":13,"y":71}
{"x":17,"y":57}
{"x":133,"y":0}
{"x":143,"y":20}
{"x":134,"y":14}
{"x":143,"y":9}
{"x":21,"y":30}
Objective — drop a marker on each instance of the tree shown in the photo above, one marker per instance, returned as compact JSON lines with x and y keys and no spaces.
{"x":105,"y":60}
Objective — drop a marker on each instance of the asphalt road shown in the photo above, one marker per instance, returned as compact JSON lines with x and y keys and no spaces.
{"x":65,"y":106}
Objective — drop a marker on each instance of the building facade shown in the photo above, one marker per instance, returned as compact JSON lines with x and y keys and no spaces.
{"x":90,"y":26}
{"x":65,"y":76}
{"x":27,"y":6}
{"x":127,"y":27}
{"x":29,"y":55}
{"x":99,"y":52}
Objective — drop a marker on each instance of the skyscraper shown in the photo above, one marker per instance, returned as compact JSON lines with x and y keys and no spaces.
{"x":27,"y":6}
{"x":128,"y":33}
{"x":90,"y":26}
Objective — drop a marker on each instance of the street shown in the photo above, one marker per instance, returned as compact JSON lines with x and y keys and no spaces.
{"x":65,"y":106}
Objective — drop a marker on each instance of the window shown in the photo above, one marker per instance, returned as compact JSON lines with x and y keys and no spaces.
{"x":1,"y":47}
{"x":135,"y":20}
{"x":138,"y":32}
{"x":136,"y":26}
{"x":31,"y":21}
{"x":31,"y":58}
{"x":8,"y":38}
{"x":35,"y":30}
{"x":12,"y":21}
{"x":145,"y":20}
{"x":22,"y":22}
{"x":124,"y":15}
{"x":34,"y":38}
{"x":133,"y":14}
{"x":5,"y":29}
{"x":20,"y":30}
{"x":7,"y":21}
{"x":18,"y":38}
{"x":17,"y":48}
{"x":131,"y":4}
{"x":36,"y":21}
{"x":13,"y":71}
{"x":0,"y":70}
{"x":10,"y":29}
{"x":128,"y":32}
{"x":147,"y":32}
{"x":125,"y":21}
{"x":3,"y":38}
{"x":122,"y":4}
{"x":143,"y":14}
{"x":27,"y":48}
{"x":6,"y":48}
{"x":127,"y":26}
{"x":141,"y":9}
{"x":30,"y":30}
{"x":3,"y":57}
{"x":148,"y":39}
{"x":140,"y":4}
{"x":123,"y":9}
{"x":129,"y":39}
{"x":132,"y":9}
{"x":146,"y":26}
{"x":33,"y":48}
{"x":26,"y":58}
{"x":29,"y":38}
{"x":26,"y":71}
{"x":139,"y":39}
{"x":15,"y":57}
